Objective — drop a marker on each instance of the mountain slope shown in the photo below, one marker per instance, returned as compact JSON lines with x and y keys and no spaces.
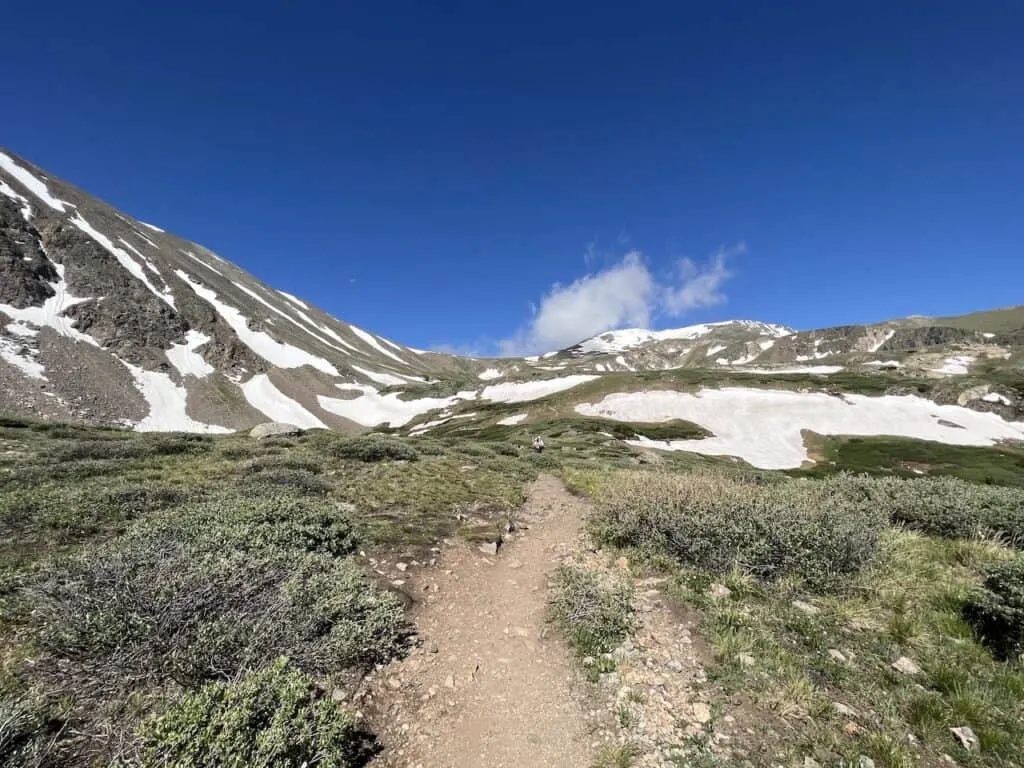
{"x":112,"y":320}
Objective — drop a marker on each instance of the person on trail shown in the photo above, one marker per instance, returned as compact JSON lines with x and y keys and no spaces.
{"x":538,"y":444}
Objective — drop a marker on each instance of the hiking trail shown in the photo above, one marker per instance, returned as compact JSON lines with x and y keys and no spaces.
{"x":491,"y":683}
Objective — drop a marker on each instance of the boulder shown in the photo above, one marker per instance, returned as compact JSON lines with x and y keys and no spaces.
{"x":274,"y":429}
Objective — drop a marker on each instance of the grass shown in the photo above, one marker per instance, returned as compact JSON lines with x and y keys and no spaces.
{"x":790,"y":667}
{"x":594,"y":613}
{"x":137,"y":571}
{"x":904,"y":457}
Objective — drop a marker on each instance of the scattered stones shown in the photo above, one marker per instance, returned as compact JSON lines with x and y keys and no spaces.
{"x":843,"y":709}
{"x":807,"y":608}
{"x":274,"y":429}
{"x":701,"y":712}
{"x":906,"y":666}
{"x":720,"y":591}
{"x":490,"y":547}
{"x":967,"y":738}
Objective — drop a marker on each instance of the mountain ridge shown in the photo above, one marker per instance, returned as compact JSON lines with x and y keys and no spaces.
{"x":108,"y":319}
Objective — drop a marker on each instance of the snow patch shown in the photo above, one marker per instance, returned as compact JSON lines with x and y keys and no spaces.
{"x":510,"y":421}
{"x":271,"y":350}
{"x":371,"y":408}
{"x":822,"y":370}
{"x":21,"y":357}
{"x":995,"y":397}
{"x":262,"y":395}
{"x":881,"y":343}
{"x":186,"y":359}
{"x":372,"y":341}
{"x":715,"y":350}
{"x":203,"y":263}
{"x":622,"y":361}
{"x":956,"y":366}
{"x":885,"y":363}
{"x":490,"y":374}
{"x":168,"y":403}
{"x":31,"y":183}
{"x":123,"y":258}
{"x":294,"y":300}
{"x":50,"y":314}
{"x":387,"y":379}
{"x":150,"y":226}
{"x":146,"y":262}
{"x":523,"y":391}
{"x":8,"y":191}
{"x":763,"y":427}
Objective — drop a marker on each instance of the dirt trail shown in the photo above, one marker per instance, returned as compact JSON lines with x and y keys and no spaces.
{"x":492,"y":684}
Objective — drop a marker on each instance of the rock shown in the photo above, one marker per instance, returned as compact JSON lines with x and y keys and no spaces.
{"x":490,"y":547}
{"x":674,"y":665}
{"x":807,"y":608}
{"x":622,"y":562}
{"x":866,"y":762}
{"x":274,"y":429}
{"x":810,"y":762}
{"x":589,"y":661}
{"x":401,"y":566}
{"x":965,"y":736}
{"x":843,"y":709}
{"x":905,"y":666}
{"x":394,"y":683}
{"x":449,"y":682}
{"x":851,"y":729}
{"x":746,"y":660}
{"x":720,"y":591}
{"x":701,"y":712}
{"x":836,"y":655}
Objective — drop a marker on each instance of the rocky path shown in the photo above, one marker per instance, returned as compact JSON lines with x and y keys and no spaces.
{"x":491,"y":683}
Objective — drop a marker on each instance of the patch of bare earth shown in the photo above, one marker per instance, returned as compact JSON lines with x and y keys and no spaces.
{"x":490,"y":682}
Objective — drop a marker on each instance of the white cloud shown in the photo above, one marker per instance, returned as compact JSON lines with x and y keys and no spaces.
{"x":624,"y":295}
{"x":700,"y":285}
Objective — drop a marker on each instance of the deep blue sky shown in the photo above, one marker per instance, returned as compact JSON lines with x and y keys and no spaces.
{"x":456,"y":159}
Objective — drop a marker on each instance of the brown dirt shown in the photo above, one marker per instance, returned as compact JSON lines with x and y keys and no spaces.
{"x":491,"y":684}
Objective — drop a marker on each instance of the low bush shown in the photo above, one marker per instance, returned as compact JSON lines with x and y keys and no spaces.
{"x":372,"y":448}
{"x":296,"y":480}
{"x":275,"y":716}
{"x":274,"y":462}
{"x":593,"y":614}
{"x":818,"y":531}
{"x":211,"y":588}
{"x":996,"y":609}
{"x":946,"y":506}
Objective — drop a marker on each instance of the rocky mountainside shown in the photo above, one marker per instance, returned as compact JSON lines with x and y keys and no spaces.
{"x":107,"y":319}
{"x":110,"y":320}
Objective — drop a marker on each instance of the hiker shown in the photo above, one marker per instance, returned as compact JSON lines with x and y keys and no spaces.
{"x":538,"y":444}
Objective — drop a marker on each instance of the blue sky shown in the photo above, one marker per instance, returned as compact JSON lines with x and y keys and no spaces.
{"x":511,"y":175}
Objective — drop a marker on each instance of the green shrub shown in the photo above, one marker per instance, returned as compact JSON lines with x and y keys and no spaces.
{"x":946,"y":506}
{"x":297,"y":480}
{"x":211,"y":588}
{"x":819,"y":531}
{"x":275,"y":716}
{"x":996,"y":609}
{"x":593,"y":614}
{"x":271,"y":463}
{"x":371,"y":448}
{"x":28,"y":731}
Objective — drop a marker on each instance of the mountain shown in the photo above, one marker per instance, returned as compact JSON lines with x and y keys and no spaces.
{"x":107,"y":319}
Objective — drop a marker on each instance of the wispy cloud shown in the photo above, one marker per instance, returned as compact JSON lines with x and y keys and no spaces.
{"x":624,"y":294}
